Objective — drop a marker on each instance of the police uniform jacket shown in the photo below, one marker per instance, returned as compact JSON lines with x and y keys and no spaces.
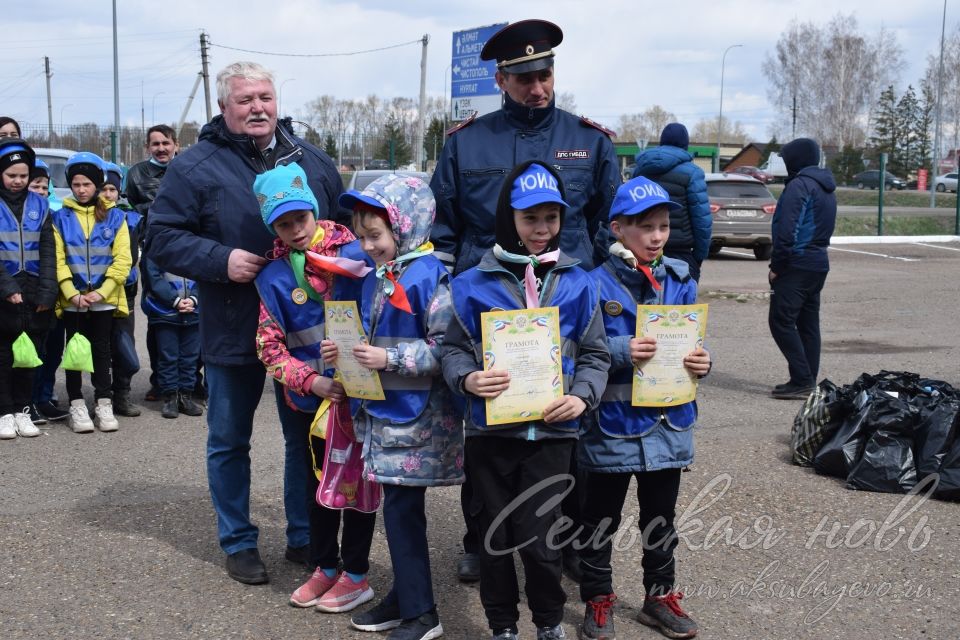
{"x":477,"y":157}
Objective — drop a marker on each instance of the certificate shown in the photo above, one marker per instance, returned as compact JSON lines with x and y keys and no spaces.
{"x":526,"y":344}
{"x":344,"y":328}
{"x":678,"y":329}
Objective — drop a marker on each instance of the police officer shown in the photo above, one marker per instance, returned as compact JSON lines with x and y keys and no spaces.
{"x":478,"y":155}
{"x":480,"y":152}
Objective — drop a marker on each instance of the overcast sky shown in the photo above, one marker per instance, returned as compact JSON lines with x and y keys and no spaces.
{"x":616,"y":57}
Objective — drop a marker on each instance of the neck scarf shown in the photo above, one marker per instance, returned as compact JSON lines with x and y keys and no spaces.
{"x":617,"y":249}
{"x":529,"y":277}
{"x":388,"y":272}
{"x":334,"y":265}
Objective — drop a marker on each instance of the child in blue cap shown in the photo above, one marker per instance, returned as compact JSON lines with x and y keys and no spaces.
{"x":525,"y":269}
{"x":312,"y":261}
{"x":621,"y":441}
{"x":413,"y":439}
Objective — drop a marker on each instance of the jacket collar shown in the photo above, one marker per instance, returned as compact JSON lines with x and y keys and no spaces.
{"x":527,"y":117}
{"x":216,"y":131}
{"x":489,"y":263}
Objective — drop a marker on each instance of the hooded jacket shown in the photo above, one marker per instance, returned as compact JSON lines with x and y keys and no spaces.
{"x":206,"y":207}
{"x":805,"y":216}
{"x":673,"y":169}
{"x":415,"y":436}
{"x":477,"y":157}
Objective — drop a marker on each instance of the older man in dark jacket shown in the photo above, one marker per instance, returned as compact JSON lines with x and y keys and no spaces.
{"x":205,"y":224}
{"x":802,"y":227}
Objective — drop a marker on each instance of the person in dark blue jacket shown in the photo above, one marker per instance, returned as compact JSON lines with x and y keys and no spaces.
{"x":802,"y":226}
{"x":480,"y":152}
{"x":671,"y":166}
{"x":205,"y":224}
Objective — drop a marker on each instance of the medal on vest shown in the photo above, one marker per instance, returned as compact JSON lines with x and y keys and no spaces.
{"x":613,"y":308}
{"x":299,"y":296}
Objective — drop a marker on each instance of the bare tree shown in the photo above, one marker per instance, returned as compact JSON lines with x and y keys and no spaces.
{"x":646,"y":125}
{"x":705,"y":130}
{"x":567,"y":101}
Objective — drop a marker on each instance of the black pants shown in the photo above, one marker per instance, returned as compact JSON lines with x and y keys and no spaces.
{"x":16,"y":385}
{"x":794,"y":320}
{"x":405,"y":518}
{"x":95,"y":326}
{"x":657,"y":498}
{"x":503,"y":469}
{"x":325,"y":551}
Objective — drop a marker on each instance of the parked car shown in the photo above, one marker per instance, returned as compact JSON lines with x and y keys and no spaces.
{"x":378,"y":164}
{"x":946,"y":182}
{"x":754,"y":172}
{"x":775,"y":166}
{"x":742,"y":209}
{"x":871,"y":179}
{"x":361,"y":179}
{"x":56,"y":159}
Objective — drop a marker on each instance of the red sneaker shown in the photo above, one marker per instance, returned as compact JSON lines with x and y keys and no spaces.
{"x":345,"y":595}
{"x":308,"y":594}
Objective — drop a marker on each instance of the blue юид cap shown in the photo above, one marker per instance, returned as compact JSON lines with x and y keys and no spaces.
{"x":535,"y":186}
{"x":639,"y":195}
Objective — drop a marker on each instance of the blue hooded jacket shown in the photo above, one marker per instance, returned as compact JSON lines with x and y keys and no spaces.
{"x":673,"y":169}
{"x":803,"y":222}
{"x":206,"y":207}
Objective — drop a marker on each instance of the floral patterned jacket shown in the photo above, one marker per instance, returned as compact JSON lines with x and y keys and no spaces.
{"x":427,"y":451}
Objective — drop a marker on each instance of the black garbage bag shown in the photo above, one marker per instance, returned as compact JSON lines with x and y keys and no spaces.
{"x":818,"y":420}
{"x":933,"y":433}
{"x":838,"y":456}
{"x":949,"y":486}
{"x":887,"y":462}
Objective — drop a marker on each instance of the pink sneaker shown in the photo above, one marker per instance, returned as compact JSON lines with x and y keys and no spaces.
{"x":345,"y":595}
{"x":308,"y":594}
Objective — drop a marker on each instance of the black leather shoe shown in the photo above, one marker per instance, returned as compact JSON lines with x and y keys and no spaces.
{"x":246,"y":566}
{"x":122,"y":405}
{"x":187,"y":406}
{"x":169,"y":408}
{"x":299,"y":555}
{"x":468,"y":569}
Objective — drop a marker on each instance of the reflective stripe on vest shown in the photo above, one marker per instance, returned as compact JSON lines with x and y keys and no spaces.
{"x":88,"y":257}
{"x":20,"y":240}
{"x":570,"y":289}
{"x":405,"y":397}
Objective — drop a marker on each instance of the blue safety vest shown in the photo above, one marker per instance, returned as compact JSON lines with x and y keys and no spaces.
{"x":617,"y":417}
{"x":479,"y":290}
{"x":88,"y":257}
{"x":302,"y":319}
{"x":133,"y":219}
{"x":20,"y":240}
{"x":405,"y":396}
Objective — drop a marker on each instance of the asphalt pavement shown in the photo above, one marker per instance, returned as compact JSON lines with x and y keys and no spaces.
{"x":113,"y":535}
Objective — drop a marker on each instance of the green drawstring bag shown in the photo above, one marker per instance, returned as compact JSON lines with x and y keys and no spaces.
{"x":77,"y":355}
{"x":24,"y":353}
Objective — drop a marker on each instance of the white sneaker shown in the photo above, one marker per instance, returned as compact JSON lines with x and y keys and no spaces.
{"x":25,"y":426}
{"x":79,"y":419}
{"x":103,"y":415}
{"x":8,"y":427}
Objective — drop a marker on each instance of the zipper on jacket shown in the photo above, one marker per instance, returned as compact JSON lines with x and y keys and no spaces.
{"x":23,"y":257}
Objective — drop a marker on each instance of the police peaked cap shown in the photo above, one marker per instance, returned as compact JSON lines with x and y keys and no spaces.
{"x":523,"y":46}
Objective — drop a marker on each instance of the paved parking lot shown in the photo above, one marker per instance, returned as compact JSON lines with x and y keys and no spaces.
{"x":113,"y":535}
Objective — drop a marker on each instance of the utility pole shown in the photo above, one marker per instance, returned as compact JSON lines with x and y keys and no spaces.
{"x":423,"y":101}
{"x":46,"y":67}
{"x":114,"y":137}
{"x":206,"y":73}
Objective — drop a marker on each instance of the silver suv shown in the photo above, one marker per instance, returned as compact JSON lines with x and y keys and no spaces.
{"x":742,"y":208}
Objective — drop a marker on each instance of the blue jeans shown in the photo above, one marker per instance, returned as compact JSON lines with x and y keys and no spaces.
{"x":178,"y":349}
{"x":234,"y":394}
{"x":46,"y":375}
{"x":405,"y":518}
{"x":297,"y":466}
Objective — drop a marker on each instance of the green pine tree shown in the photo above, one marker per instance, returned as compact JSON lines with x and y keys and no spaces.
{"x":906,"y":160}
{"x":330,"y":146}
{"x":434,"y":138}
{"x":885,"y":131}
{"x":922,"y":127}
{"x":772,"y":146}
{"x":393,"y":146}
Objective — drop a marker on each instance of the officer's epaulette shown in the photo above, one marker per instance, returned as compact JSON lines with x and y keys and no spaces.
{"x":468,"y":121}
{"x":596,"y":125}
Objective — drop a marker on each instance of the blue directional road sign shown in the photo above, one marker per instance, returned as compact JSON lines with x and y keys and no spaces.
{"x":473,"y":87}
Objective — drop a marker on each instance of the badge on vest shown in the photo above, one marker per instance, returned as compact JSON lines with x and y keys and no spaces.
{"x":613,"y":308}
{"x":34,"y":215}
{"x":299,"y":296}
{"x":496,"y":309}
{"x":107,"y":233}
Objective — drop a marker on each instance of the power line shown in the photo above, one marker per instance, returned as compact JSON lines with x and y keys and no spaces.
{"x":316,"y":55}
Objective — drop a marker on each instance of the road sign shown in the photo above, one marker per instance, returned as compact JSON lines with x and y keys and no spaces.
{"x":473,"y":86}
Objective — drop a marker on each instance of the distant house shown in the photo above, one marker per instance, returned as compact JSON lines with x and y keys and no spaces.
{"x":749,"y":156}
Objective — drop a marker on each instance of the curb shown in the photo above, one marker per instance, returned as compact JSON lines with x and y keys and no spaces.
{"x":891,"y":239}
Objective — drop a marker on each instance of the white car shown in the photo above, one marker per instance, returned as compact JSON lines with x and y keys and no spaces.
{"x":362,"y":178}
{"x":946,"y":182}
{"x":56,"y":159}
